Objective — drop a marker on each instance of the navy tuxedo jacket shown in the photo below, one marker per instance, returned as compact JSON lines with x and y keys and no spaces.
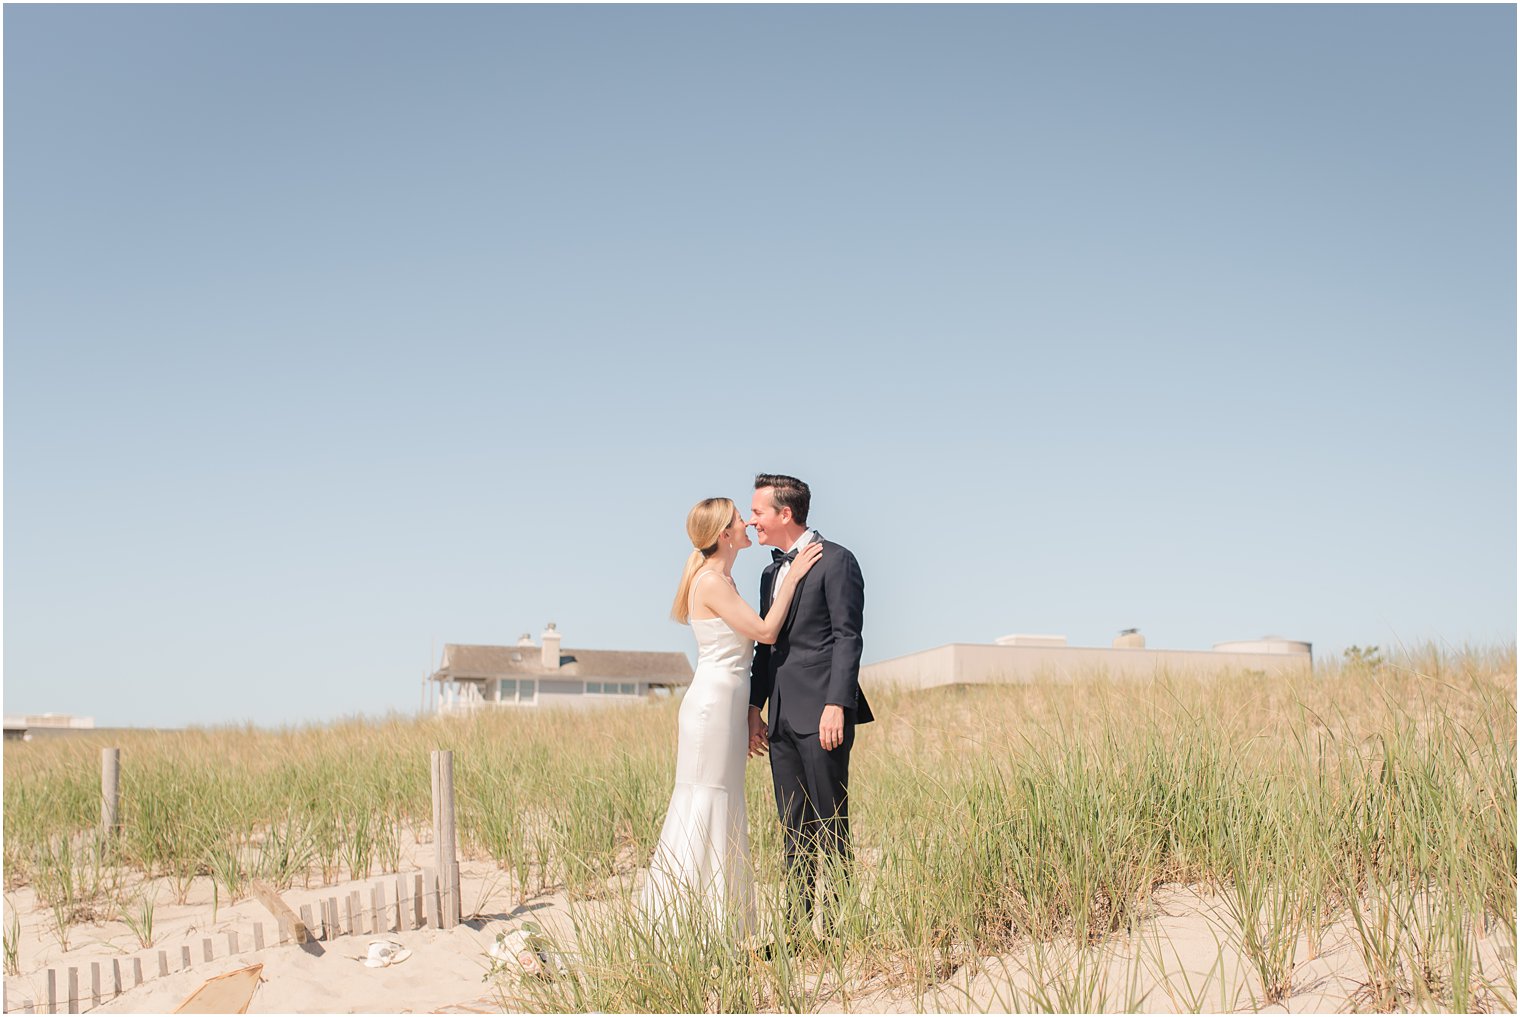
{"x":816,"y":658}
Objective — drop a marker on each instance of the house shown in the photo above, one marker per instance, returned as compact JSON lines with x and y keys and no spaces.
{"x":472,"y":676}
{"x":1023,"y":658}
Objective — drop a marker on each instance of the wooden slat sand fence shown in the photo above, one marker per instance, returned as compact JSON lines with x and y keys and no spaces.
{"x":392,"y":905}
{"x":400,"y":902}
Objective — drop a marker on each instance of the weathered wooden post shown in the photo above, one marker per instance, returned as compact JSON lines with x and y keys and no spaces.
{"x":444,"y":838}
{"x":110,"y":790}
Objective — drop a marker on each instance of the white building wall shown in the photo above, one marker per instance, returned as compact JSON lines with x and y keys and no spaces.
{"x":971,"y":663}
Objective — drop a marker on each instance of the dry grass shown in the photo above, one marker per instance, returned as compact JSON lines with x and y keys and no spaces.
{"x":985,"y":818}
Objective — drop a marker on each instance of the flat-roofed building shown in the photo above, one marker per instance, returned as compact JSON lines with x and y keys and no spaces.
{"x":23,"y":726}
{"x":1022,"y":658}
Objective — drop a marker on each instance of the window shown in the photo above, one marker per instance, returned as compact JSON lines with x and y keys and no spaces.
{"x":612,"y":688}
{"x":514,"y":690}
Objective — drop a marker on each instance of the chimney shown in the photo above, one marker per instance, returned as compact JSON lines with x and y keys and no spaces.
{"x":1129,"y":639}
{"x":550,"y":639}
{"x":526,"y":639}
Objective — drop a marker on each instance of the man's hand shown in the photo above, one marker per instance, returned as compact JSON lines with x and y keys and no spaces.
{"x":831,"y":727}
{"x":759,"y":742}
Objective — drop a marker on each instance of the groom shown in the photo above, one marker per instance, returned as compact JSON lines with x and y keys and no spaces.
{"x":811,"y":678}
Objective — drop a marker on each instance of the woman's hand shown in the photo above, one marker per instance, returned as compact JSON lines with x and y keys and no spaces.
{"x":759,"y":740}
{"x":806,"y":558}
{"x":742,"y":618}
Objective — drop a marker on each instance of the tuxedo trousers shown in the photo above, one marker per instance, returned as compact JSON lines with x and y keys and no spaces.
{"x":812,"y":798}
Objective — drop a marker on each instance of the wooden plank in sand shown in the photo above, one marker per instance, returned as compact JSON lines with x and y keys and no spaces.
{"x":94,"y":984}
{"x":136,"y":971}
{"x":207,"y":952}
{"x":430,"y":891}
{"x":379,"y":921}
{"x":417,"y":899}
{"x":232,"y":944}
{"x":52,"y":990}
{"x":311,"y":945}
{"x":163,"y":963}
{"x":295,"y":928}
{"x":258,"y":936}
{"x":403,"y":904}
{"x":73,"y":990}
{"x":332,"y":911}
{"x":184,"y":956}
{"x":350,"y":914}
{"x":229,"y":993}
{"x":116,"y":979}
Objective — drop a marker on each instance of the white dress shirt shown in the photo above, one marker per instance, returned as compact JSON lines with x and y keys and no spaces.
{"x":802,"y":541}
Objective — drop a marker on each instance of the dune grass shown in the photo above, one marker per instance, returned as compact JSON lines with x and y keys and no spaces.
{"x":986,"y":819}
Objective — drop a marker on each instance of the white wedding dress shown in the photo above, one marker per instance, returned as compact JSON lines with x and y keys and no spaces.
{"x":703,"y":854}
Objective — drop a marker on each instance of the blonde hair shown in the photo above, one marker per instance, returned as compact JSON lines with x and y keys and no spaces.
{"x":705,"y":523}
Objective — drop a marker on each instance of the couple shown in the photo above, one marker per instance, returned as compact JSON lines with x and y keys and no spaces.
{"x":801,"y":654}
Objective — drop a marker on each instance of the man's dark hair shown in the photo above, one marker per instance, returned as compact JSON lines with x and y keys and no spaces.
{"x":787,"y":492}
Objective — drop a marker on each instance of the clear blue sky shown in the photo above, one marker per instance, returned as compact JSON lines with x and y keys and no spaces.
{"x":336,"y":333}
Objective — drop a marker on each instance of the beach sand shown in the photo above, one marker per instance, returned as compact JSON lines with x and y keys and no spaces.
{"x":446,"y":967}
{"x":1182,"y":958}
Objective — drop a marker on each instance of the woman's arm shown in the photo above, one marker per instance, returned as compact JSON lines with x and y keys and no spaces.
{"x":724,"y":601}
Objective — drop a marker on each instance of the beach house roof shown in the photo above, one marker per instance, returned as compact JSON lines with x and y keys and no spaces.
{"x":465,"y":661}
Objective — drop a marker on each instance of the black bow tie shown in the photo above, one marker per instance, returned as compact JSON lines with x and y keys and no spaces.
{"x":780,"y":559}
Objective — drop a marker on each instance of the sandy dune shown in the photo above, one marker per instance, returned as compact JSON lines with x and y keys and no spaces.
{"x":1183,"y":959}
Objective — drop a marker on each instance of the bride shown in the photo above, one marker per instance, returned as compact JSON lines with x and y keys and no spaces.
{"x":703,"y":852}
